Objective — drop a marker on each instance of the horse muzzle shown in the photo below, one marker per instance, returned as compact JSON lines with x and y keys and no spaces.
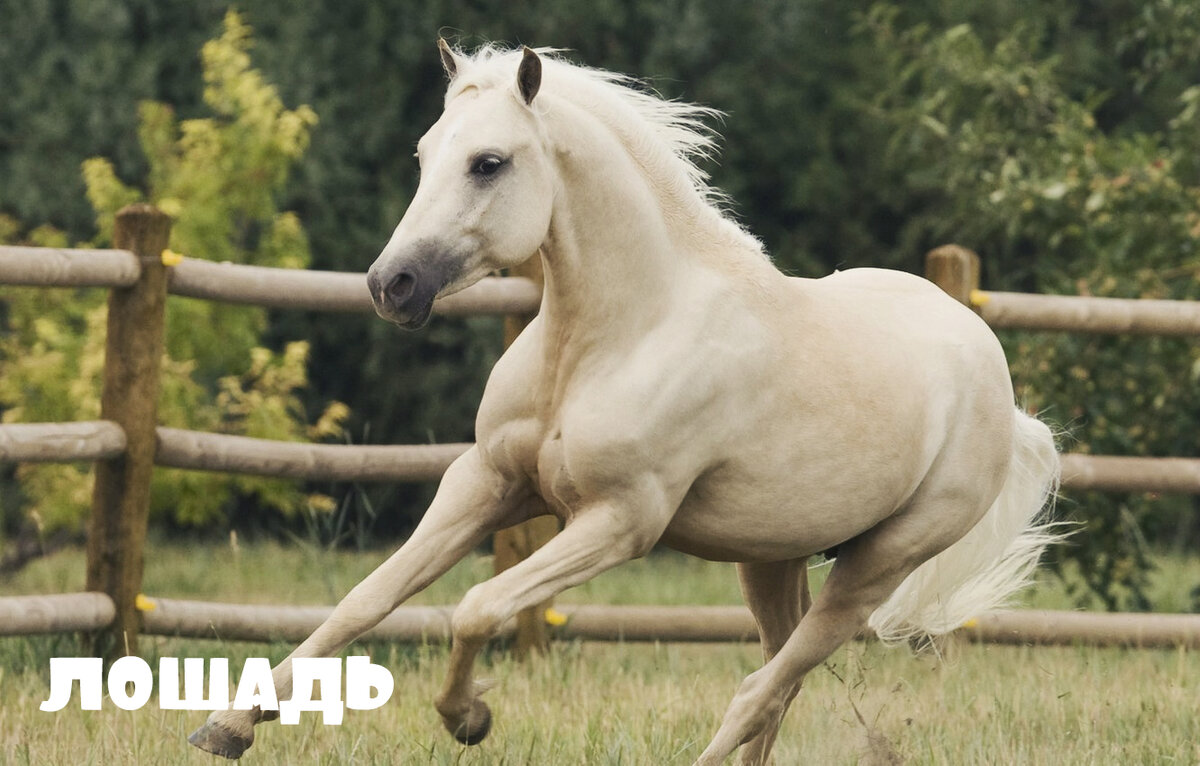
{"x":404,"y":294}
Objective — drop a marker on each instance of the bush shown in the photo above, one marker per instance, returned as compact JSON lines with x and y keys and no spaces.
{"x":219,"y":177}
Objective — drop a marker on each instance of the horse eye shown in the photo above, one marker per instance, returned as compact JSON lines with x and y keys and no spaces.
{"x":486,"y":165}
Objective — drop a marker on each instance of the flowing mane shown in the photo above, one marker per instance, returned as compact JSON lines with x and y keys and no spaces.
{"x":666,"y":138}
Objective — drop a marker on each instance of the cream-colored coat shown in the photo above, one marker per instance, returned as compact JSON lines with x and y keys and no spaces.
{"x":677,"y":388}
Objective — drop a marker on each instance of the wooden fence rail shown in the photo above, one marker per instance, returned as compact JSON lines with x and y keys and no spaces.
{"x":264,"y":622}
{"x":57,"y":613}
{"x":60,"y":267}
{"x":956,"y":270}
{"x":304,"y":289}
{"x":1034,"y":626}
{"x":335,"y":291}
{"x":200,"y":451}
{"x":298,"y":460}
{"x":1076,"y":313}
{"x":86,"y":440}
{"x":663,"y":623}
{"x":32,"y":615}
{"x":1131,"y":474}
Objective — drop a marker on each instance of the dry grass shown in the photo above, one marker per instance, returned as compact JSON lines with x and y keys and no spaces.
{"x":625,"y":703}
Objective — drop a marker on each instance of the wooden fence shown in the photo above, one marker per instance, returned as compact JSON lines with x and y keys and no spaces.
{"x":24,"y":615}
{"x":127,"y":443}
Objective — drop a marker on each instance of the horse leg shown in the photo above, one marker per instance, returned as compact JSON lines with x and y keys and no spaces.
{"x":777,"y":594}
{"x":471,"y":502}
{"x":867,"y":570}
{"x":594,"y":540}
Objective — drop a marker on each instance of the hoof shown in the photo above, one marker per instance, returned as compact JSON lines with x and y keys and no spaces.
{"x":475,"y":726}
{"x":220,"y":741}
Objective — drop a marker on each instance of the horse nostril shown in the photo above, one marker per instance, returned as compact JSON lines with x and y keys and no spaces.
{"x":400,"y":288}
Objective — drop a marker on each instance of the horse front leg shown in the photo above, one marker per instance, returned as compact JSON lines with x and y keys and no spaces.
{"x":472,"y":502}
{"x":593,"y":541}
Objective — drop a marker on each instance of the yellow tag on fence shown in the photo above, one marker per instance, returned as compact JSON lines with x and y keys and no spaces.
{"x":555,"y":618}
{"x":171,"y":258}
{"x":144,"y":604}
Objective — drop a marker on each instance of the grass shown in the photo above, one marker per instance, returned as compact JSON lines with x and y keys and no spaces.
{"x":593,"y":703}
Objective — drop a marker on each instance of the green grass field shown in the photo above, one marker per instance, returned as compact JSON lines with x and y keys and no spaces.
{"x":593,"y":703}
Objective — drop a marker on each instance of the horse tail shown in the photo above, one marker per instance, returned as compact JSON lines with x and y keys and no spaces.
{"x":994,"y":560}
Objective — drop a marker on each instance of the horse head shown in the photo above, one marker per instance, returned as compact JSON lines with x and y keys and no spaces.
{"x":485,"y":195}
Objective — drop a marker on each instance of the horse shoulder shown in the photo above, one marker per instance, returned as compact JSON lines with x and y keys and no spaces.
{"x":507,"y":427}
{"x":665,"y":406}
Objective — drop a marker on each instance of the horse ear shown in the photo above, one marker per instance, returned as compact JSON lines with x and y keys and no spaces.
{"x":449,"y":60}
{"x":529,"y":75}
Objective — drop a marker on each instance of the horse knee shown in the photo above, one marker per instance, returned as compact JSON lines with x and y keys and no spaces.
{"x":479,"y":615}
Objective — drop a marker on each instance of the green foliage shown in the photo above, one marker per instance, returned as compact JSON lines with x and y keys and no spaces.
{"x":219,"y":177}
{"x":73,"y":74}
{"x":51,"y":358}
{"x":1017,"y":166}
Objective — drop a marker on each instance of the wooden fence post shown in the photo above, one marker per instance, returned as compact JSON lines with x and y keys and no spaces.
{"x":514,"y":544}
{"x":132,"y":358}
{"x":954,"y":269}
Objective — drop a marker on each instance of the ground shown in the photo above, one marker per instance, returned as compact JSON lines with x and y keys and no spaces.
{"x":594,"y":703}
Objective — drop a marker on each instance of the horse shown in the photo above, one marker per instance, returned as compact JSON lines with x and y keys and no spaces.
{"x":677,"y":388}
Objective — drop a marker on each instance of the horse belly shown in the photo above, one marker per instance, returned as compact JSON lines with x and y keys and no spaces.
{"x":812,"y":469}
{"x":772,"y":512}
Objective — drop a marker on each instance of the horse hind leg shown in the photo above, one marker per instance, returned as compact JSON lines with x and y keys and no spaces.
{"x":777,"y":595}
{"x":867,"y":571}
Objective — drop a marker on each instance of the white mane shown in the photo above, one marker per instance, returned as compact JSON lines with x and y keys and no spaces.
{"x":666,"y":138}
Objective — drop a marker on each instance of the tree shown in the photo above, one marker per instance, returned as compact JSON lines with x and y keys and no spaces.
{"x":219,"y":177}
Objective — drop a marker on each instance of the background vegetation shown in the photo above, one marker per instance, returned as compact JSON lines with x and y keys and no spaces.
{"x":218,"y":178}
{"x":1058,"y":139}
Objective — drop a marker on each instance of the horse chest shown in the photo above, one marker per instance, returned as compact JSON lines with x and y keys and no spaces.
{"x":528,"y":450}
{"x":552,"y":479}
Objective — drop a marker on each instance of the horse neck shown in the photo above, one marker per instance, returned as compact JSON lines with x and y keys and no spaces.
{"x":604,"y":256}
{"x":613,"y":261}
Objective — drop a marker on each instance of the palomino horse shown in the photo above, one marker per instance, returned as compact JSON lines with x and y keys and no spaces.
{"x":676,"y":388}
